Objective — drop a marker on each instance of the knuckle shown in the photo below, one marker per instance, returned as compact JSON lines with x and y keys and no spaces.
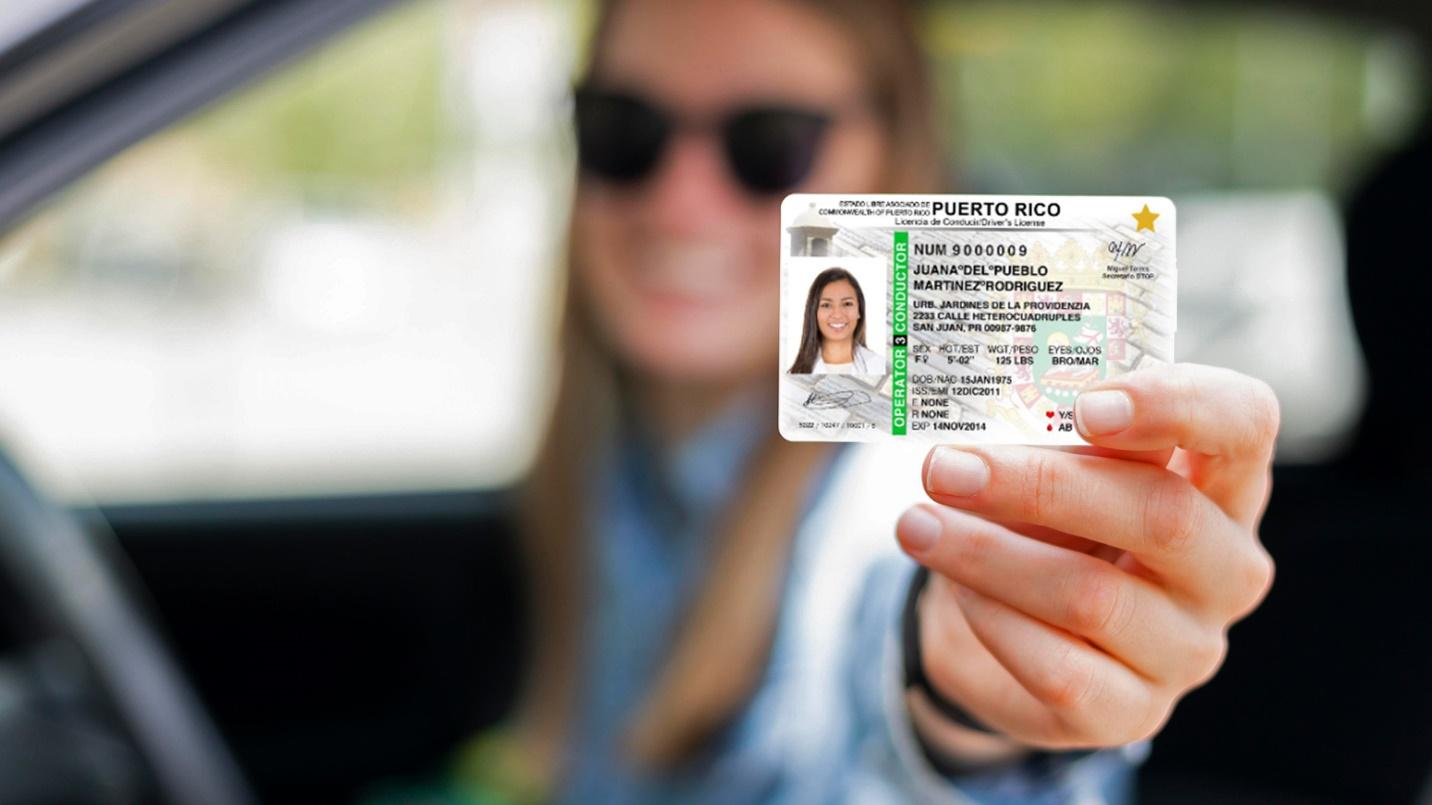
{"x":1156,"y":716}
{"x":1207,"y":654}
{"x":1258,"y":572}
{"x":1171,"y":515}
{"x":974,"y":546}
{"x":1042,"y":487}
{"x":1181,"y":388}
{"x":1263,"y":417}
{"x":1069,"y":683}
{"x":1270,"y":568}
{"x":1098,"y":605}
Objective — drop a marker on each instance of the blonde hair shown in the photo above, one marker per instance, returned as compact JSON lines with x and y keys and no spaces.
{"x":720,"y":652}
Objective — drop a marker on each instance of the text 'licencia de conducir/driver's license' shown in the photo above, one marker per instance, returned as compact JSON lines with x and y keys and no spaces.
{"x":971,"y":319}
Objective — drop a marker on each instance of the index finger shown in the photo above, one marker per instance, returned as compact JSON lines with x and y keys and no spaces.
{"x":1226,"y":422}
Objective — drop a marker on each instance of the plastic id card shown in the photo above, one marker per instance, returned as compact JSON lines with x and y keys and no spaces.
{"x":974,"y":319}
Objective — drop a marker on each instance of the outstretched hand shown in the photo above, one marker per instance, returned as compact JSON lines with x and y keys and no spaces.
{"x":1076,"y":595}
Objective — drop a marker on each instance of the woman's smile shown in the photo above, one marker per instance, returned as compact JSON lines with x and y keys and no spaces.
{"x":696,"y":273}
{"x":839,"y":313}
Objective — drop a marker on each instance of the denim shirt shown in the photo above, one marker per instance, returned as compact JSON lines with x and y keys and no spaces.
{"x":827,"y":722}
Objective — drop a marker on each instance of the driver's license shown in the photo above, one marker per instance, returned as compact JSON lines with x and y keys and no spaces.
{"x":973,"y":319}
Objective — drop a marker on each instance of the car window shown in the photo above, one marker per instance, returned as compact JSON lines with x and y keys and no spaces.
{"x":337,"y":280}
{"x":341,"y":279}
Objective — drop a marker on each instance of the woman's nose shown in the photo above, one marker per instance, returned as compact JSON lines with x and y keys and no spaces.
{"x":692,"y":190}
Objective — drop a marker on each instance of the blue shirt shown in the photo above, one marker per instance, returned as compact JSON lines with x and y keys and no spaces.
{"x":809,"y":733}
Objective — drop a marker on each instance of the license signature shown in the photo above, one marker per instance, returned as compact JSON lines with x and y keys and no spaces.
{"x":847,"y":398}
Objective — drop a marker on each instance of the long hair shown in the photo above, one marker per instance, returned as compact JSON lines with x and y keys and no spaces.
{"x":810,"y":327}
{"x":720,"y":650}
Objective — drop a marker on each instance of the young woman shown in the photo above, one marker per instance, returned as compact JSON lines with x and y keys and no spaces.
{"x":833,"y":331}
{"x":717,"y":610}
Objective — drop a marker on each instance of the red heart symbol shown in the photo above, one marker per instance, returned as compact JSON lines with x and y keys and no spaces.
{"x":1049,"y":414}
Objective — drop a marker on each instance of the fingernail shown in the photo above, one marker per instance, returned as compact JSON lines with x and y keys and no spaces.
{"x":918,"y":530}
{"x":1099,"y":413}
{"x":956,"y":473}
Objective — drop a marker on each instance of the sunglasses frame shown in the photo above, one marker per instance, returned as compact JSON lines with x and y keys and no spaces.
{"x":721,"y":124}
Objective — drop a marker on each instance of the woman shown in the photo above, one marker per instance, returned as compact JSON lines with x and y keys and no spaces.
{"x":716,"y":609}
{"x":833,"y":331}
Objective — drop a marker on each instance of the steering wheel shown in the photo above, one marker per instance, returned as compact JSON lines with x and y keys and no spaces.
{"x":75,"y":585}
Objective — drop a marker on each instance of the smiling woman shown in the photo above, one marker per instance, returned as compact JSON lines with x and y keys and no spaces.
{"x":834,"y":328}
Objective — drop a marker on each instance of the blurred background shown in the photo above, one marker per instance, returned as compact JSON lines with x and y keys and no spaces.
{"x":337,"y":284}
{"x":273,"y":297}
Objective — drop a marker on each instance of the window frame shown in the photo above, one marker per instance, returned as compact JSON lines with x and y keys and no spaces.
{"x":124,"y":104}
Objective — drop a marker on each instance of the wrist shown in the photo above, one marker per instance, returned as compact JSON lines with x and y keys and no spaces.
{"x":953,"y":749}
{"x":952,"y":739}
{"x":913,"y":636}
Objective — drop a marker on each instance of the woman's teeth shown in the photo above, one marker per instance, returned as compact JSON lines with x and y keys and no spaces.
{"x":703,"y":273}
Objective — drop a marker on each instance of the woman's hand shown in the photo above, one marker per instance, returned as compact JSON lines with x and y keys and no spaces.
{"x":1077,"y":594}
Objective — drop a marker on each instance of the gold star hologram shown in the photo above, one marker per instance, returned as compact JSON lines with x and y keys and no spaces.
{"x":1145,"y":219}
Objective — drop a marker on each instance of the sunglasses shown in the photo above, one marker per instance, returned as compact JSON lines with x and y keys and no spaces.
{"x":769,"y":148}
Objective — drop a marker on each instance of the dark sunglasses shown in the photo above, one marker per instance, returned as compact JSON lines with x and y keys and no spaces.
{"x":769,"y":148}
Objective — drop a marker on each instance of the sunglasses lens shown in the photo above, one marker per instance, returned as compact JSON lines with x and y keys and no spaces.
{"x":618,"y":137}
{"x":773,"y":149}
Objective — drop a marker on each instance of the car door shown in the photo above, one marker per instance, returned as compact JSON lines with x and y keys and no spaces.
{"x":246,"y":331}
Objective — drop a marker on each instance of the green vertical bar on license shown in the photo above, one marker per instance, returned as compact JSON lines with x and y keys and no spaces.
{"x":900,"y":324}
